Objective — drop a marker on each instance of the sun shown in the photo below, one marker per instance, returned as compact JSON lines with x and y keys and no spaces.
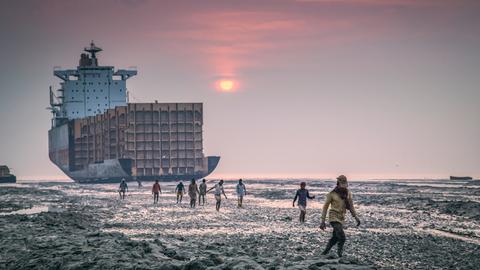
{"x":226,"y":85}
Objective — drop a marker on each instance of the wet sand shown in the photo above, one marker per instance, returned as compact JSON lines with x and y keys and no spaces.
{"x":425,"y":224}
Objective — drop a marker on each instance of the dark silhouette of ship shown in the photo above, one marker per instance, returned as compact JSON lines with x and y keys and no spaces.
{"x":461,"y":178}
{"x":6,"y":176}
{"x":98,"y":136}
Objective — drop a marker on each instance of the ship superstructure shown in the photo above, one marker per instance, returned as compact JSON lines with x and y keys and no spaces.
{"x":90,"y":89}
{"x":97,"y":136}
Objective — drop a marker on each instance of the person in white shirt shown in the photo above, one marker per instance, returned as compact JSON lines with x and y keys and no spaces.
{"x":218,"y":194}
{"x":241,"y":192}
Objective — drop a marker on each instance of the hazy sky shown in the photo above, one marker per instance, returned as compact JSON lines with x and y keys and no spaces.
{"x":368,"y":88}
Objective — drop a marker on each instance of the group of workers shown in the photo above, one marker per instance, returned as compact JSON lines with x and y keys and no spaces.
{"x":337,"y":202}
{"x":193,"y":192}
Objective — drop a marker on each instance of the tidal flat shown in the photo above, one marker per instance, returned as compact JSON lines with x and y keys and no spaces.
{"x":406,"y":224}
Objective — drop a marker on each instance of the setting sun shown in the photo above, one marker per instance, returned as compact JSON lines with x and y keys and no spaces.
{"x":226,"y":85}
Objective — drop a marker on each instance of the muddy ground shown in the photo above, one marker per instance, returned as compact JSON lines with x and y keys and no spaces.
{"x":425,"y":224}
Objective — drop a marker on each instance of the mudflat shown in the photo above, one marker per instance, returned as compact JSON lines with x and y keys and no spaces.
{"x":415,"y":224}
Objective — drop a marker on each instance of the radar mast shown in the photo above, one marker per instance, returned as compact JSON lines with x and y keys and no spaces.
{"x":93,"y":50}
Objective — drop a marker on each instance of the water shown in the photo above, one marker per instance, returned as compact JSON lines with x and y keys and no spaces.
{"x":28,"y":211}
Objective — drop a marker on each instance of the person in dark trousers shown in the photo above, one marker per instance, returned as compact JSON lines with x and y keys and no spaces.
{"x":302,"y":195}
{"x":180,"y":189}
{"x":155,"y":191}
{"x":203,"y":192}
{"x":218,"y":194}
{"x":241,"y":192}
{"x":122,"y":189}
{"x":192,"y":193}
{"x":339,"y":201}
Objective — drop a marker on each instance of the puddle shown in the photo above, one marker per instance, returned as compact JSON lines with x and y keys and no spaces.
{"x":34,"y":210}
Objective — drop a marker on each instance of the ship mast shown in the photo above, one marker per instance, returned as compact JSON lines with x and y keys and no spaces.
{"x":93,"y":50}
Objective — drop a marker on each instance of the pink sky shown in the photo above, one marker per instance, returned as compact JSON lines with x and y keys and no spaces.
{"x":368,"y":88}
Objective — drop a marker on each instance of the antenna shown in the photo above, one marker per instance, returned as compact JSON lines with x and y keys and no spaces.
{"x":93,"y":50}
{"x":51,"y":96}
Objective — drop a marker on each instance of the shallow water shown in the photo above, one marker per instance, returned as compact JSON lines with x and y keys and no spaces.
{"x":28,"y":211}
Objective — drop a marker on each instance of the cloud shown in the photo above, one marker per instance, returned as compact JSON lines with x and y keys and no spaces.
{"x":231,"y":41}
{"x":228,"y":38}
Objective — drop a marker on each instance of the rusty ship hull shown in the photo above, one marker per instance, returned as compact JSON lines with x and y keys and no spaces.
{"x":143,"y":141}
{"x":97,"y":136}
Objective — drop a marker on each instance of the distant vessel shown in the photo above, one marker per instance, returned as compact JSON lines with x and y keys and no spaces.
{"x":461,"y":178}
{"x":6,"y":176}
{"x":97,"y":136}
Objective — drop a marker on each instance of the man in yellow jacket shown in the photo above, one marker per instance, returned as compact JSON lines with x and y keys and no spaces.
{"x":339,"y":201}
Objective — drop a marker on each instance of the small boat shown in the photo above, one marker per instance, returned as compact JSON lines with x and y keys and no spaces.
{"x":6,"y":176}
{"x":461,"y":178}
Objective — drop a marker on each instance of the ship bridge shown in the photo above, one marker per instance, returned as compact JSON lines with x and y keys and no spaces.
{"x":90,"y":89}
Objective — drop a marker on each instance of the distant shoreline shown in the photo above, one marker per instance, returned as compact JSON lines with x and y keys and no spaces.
{"x":26,"y":181}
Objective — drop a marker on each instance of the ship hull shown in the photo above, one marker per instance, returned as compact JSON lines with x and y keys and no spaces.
{"x":8,"y":179}
{"x":461,"y":178}
{"x":113,"y":171}
{"x":67,"y":154}
{"x":160,"y":178}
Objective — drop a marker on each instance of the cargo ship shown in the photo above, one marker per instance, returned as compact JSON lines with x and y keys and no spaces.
{"x":97,"y":136}
{"x":461,"y":178}
{"x":6,"y":176}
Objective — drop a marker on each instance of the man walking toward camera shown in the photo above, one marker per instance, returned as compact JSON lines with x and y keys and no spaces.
{"x":339,"y":200}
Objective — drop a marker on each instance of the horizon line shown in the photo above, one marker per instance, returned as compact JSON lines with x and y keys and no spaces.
{"x":352,"y":177}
